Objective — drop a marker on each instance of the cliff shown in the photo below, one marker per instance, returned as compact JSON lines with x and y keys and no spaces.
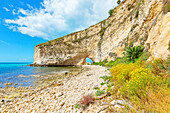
{"x":133,"y":22}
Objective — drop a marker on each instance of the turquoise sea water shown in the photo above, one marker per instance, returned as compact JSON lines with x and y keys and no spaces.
{"x":9,"y":72}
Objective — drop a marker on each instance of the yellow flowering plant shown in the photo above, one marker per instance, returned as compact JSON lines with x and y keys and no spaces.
{"x":139,"y":79}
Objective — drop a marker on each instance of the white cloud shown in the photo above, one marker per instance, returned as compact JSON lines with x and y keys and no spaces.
{"x":13,"y":11}
{"x":29,"y":6}
{"x":56,"y":17}
{"x":10,"y":5}
{"x":6,"y":9}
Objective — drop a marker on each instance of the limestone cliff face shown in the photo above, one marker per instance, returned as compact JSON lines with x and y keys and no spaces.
{"x":133,"y":22}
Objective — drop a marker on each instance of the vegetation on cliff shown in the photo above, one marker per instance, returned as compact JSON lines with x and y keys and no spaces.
{"x":144,"y":84}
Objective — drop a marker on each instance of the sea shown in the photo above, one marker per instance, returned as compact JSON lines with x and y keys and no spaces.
{"x":11,"y":72}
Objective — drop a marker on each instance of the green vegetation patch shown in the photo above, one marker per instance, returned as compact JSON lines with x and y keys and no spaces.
{"x":81,"y":39}
{"x":110,"y":12}
{"x":166,"y":7}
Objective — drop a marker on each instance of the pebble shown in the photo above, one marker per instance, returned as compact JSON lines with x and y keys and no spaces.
{"x":23,"y":76}
{"x":8,"y":84}
{"x":62,"y":97}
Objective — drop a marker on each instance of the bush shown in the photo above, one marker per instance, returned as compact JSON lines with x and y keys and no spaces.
{"x":103,"y":63}
{"x":86,"y":100}
{"x":133,"y":52}
{"x":117,"y":61}
{"x":166,"y":7}
{"x":121,"y":72}
{"x":137,"y":14}
{"x":138,"y":80}
{"x":110,"y":12}
{"x":98,"y":93}
{"x":147,"y":91}
{"x":160,"y":67}
{"x":118,"y":1}
{"x":144,"y":87}
{"x":144,"y":56}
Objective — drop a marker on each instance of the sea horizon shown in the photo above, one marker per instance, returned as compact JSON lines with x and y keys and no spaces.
{"x":14,"y":62}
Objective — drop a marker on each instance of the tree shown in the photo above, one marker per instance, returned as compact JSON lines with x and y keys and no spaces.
{"x":118,"y":1}
{"x":111,"y":12}
{"x":133,"y":52}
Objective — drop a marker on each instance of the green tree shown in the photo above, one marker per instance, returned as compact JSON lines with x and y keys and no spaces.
{"x":111,"y":12}
{"x":133,"y":52}
{"x":118,"y":1}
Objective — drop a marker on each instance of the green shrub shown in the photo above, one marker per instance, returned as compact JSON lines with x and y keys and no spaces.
{"x":77,"y":106}
{"x":117,"y":61}
{"x":110,"y":12}
{"x":139,"y":4}
{"x":133,"y":52}
{"x":144,"y":56}
{"x":137,"y":14}
{"x":145,"y":89}
{"x":98,"y":93}
{"x":139,"y":78}
{"x":166,"y":7}
{"x":118,"y":1}
{"x":121,"y":72}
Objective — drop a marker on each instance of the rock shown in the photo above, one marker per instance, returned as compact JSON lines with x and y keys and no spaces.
{"x":74,"y":48}
{"x":117,"y":106}
{"x":25,"y":94}
{"x":23,"y":76}
{"x":5,"y":100}
{"x":36,"y":76}
{"x":120,"y":102}
{"x":89,"y":75}
{"x":113,"y":102}
{"x":60,"y":94}
{"x":46,"y":77}
{"x":62,"y":103}
{"x":15,"y":84}
{"x":8,"y":84}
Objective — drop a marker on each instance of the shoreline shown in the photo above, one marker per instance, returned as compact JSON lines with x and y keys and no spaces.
{"x":10,"y":92}
{"x":60,"y":96}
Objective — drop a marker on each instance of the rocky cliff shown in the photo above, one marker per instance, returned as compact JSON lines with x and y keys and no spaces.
{"x":133,"y":22}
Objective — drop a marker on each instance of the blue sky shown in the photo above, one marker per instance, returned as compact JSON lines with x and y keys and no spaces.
{"x":26,"y":23}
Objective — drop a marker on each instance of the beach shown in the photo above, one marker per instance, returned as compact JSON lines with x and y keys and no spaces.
{"x":61,"y":96}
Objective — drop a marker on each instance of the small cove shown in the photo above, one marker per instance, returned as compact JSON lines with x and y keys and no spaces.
{"x":21,"y":75}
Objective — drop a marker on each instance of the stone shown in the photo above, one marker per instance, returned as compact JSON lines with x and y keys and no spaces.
{"x":23,"y":76}
{"x":35,"y":76}
{"x":117,"y":106}
{"x":8,"y":84}
{"x":5,"y":100}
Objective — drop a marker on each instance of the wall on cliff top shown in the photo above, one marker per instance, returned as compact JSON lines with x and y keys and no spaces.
{"x":133,"y":22}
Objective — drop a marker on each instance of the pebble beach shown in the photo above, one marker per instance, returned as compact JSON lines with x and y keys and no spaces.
{"x":60,"y":96}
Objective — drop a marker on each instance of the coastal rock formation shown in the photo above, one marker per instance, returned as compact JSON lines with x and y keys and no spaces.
{"x":133,"y":22}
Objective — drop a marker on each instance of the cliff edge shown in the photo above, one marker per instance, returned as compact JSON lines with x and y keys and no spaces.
{"x":133,"y":22}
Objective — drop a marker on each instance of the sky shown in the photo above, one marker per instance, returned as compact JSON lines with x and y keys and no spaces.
{"x":26,"y":23}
